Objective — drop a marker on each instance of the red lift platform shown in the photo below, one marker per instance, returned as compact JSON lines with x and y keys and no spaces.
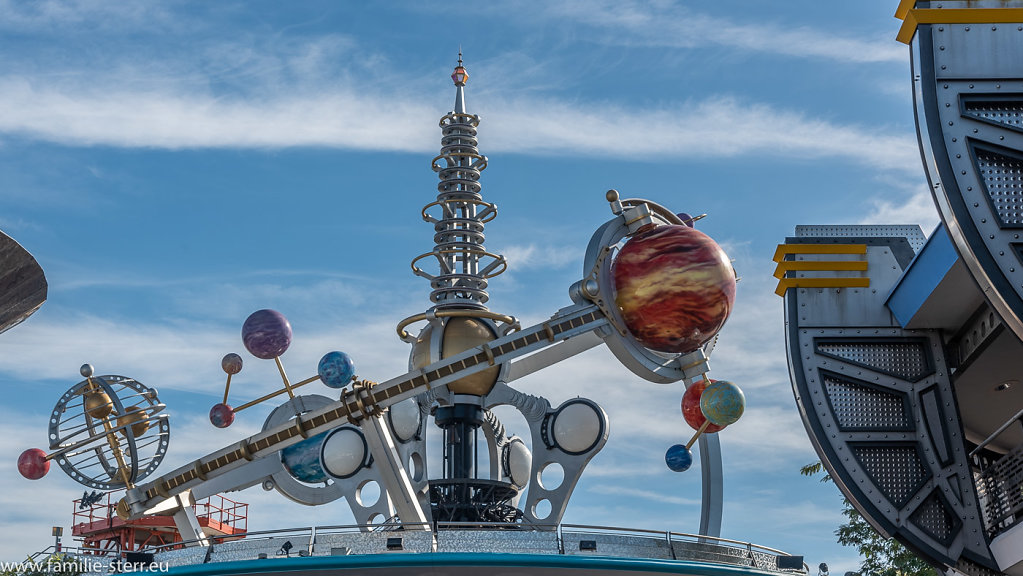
{"x":102,"y":530}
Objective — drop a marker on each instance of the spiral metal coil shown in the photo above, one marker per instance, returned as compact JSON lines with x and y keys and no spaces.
{"x":458,"y":216}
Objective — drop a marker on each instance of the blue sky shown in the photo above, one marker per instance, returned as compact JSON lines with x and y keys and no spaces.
{"x":176,"y":166}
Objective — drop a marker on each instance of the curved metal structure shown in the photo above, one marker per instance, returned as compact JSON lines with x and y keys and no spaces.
{"x":878,"y":399}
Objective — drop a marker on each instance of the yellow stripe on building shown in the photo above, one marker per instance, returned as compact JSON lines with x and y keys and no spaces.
{"x":913,"y":17}
{"x":785,"y":266}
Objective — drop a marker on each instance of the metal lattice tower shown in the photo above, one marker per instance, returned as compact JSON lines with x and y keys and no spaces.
{"x":464,"y":264}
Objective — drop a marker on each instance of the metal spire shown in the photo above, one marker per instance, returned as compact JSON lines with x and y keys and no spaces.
{"x":465,"y":265}
{"x":460,"y":77}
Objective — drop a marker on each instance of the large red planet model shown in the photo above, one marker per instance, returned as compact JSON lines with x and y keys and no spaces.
{"x":674,"y":286}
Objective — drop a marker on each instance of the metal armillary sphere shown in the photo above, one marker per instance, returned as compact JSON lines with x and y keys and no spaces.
{"x":107,"y":432}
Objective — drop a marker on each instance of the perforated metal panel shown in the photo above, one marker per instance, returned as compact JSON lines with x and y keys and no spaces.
{"x":910,"y":232}
{"x":860,"y":407}
{"x":934,"y":518}
{"x":1002,"y":176}
{"x":907,"y":360}
{"x":1004,"y":112}
{"x":896,"y":470}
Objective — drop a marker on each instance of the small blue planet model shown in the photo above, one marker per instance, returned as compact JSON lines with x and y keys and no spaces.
{"x":678,"y":458}
{"x":303,"y":460}
{"x":336,"y":369}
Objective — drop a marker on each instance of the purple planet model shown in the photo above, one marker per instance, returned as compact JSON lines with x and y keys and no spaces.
{"x":232,"y":363}
{"x":266,"y":334}
{"x":221,"y":415}
{"x":336,"y":369}
{"x":674,"y":286}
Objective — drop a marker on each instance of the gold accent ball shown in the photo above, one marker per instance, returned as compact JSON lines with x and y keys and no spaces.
{"x":123,"y":512}
{"x":460,"y":334}
{"x":612,"y":195}
{"x":135,"y":416}
{"x":98,"y":404}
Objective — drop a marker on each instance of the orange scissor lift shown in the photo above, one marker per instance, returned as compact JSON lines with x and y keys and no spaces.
{"x":103,"y":531}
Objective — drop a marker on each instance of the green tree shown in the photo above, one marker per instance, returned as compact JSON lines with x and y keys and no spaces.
{"x":881,"y":556}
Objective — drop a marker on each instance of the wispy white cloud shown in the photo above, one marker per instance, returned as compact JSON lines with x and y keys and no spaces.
{"x":913,"y":206}
{"x":339,"y":117}
{"x":530,"y":256}
{"x":672,"y":25}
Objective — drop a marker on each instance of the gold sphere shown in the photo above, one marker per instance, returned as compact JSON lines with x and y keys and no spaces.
{"x":612,"y":195}
{"x":97,"y":403}
{"x":137,"y":418}
{"x":123,"y":512}
{"x":460,"y":334}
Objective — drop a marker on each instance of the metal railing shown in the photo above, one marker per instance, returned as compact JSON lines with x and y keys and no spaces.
{"x":999,"y":482}
{"x":554,"y":539}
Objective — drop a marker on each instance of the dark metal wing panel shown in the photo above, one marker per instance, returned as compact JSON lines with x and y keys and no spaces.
{"x":969,"y":111}
{"x":878,"y":404}
{"x":22,"y":283}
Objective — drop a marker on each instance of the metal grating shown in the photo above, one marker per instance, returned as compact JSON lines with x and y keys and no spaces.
{"x":1008,"y":113}
{"x":896,"y":470}
{"x":1003,"y":178}
{"x":860,"y":407}
{"x":906,"y":360}
{"x":1000,"y":488}
{"x":934,"y":518}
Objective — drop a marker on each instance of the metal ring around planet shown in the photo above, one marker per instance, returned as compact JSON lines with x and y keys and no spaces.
{"x":511,"y":321}
{"x":283,"y":481}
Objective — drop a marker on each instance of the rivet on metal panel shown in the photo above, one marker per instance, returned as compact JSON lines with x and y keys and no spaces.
{"x":955,"y":139}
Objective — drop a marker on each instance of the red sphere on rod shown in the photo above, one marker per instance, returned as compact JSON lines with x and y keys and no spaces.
{"x":33,"y":464}
{"x":691,"y":407}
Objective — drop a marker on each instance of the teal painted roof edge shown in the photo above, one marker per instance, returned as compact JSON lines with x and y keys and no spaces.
{"x":398,"y":560}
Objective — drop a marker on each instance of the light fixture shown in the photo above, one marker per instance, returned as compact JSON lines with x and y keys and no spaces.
{"x":590,"y":545}
{"x":285,"y":549}
{"x":394,"y":544}
{"x":1006,"y":385}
